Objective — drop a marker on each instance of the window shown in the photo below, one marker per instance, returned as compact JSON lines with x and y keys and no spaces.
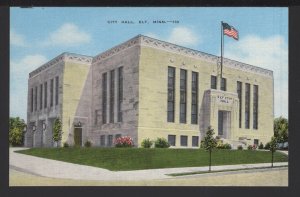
{"x":112,"y":96}
{"x":120,"y":94}
{"x":220,"y":122}
{"x":239,"y":91}
{"x":56,"y":90}
{"x":172,"y":140}
{"x":51,"y":93}
{"x":223,"y":84}
{"x":247,"y":106}
{"x":35,"y":98}
{"x":118,"y":135}
{"x":195,"y":141}
{"x":183,"y":140}
{"x":45,"y":95}
{"x":213,"y":82}
{"x":183,"y":78}
{"x":102,"y":140}
{"x":110,"y":140}
{"x":41,"y":96}
{"x":31,"y":99}
{"x":256,"y":141}
{"x":255,"y":107}
{"x":171,"y":94}
{"x":194,"y":111}
{"x":104,"y":97}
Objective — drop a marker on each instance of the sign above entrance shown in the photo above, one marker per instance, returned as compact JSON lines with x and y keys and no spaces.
{"x":224,"y":99}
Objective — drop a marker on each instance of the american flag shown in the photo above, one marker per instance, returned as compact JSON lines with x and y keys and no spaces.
{"x":230,"y":31}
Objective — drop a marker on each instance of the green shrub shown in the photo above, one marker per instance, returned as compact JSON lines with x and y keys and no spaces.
{"x":16,"y":136}
{"x":240,"y":147}
{"x":147,"y":143}
{"x":87,"y":144}
{"x":227,"y":146}
{"x":220,"y":145}
{"x":261,"y":146}
{"x":65,"y":145}
{"x":202,"y":144}
{"x":57,"y":131}
{"x":161,"y":143}
{"x":16,"y":128}
{"x":267,"y":146}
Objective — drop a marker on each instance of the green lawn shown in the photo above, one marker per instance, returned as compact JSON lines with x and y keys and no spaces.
{"x":138,"y":158}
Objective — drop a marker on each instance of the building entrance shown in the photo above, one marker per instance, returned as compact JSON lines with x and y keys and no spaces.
{"x":78,"y":136}
{"x":224,"y":123}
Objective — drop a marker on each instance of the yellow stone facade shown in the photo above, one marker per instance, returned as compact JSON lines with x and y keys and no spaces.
{"x":145,"y":62}
{"x":153,"y":72}
{"x":74,"y":79}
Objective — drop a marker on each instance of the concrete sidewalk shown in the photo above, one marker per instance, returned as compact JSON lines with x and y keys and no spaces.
{"x":58,"y":169}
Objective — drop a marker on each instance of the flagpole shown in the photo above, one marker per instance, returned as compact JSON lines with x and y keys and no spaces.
{"x":222,"y":50}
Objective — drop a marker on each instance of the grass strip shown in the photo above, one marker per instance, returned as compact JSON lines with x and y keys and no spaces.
{"x":122,"y":159}
{"x":227,"y":170}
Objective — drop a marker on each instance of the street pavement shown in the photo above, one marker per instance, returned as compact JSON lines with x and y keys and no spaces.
{"x":64,"y":170}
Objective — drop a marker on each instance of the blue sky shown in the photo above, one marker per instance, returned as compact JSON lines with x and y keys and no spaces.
{"x":39,"y":34}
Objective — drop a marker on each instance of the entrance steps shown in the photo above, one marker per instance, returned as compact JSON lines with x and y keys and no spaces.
{"x":235,"y":143}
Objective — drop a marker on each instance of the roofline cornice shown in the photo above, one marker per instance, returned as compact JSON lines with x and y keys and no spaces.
{"x":64,"y":57}
{"x":170,"y":47}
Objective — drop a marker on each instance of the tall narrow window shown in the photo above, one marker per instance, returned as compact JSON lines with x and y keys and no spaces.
{"x":223,"y":84}
{"x":195,"y":141}
{"x":120,"y":94}
{"x":56,"y":90}
{"x":239,"y":92}
{"x":255,"y":107}
{"x":104,"y":97}
{"x":110,"y":140}
{"x":213,"y":82}
{"x":51,"y":93}
{"x":41,"y":96}
{"x":45,"y":95}
{"x":171,"y":93}
{"x":102,"y":140}
{"x":220,"y":122}
{"x":172,"y":140}
{"x":183,"y":96}
{"x":112,"y":96}
{"x":194,"y":111}
{"x":247,"y":106}
{"x":117,"y":136}
{"x":31,"y":100}
{"x":183,"y":140}
{"x":35,"y":98}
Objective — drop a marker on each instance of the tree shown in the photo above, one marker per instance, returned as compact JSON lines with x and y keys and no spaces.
{"x":16,"y":128}
{"x":209,"y":143}
{"x":57,"y":134}
{"x":281,"y":129}
{"x":273,"y":146}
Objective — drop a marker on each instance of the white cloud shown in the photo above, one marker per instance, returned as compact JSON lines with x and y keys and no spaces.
{"x":152,"y":35}
{"x":17,"y":39}
{"x":270,"y":53}
{"x":26,"y":64}
{"x":183,"y":36}
{"x":67,"y":35}
{"x":19,"y":71}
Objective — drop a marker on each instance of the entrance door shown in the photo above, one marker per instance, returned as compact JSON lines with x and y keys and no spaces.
{"x":78,"y":136}
{"x":224,"y":123}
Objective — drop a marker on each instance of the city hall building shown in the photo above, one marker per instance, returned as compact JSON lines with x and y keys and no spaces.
{"x":147,"y":88}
